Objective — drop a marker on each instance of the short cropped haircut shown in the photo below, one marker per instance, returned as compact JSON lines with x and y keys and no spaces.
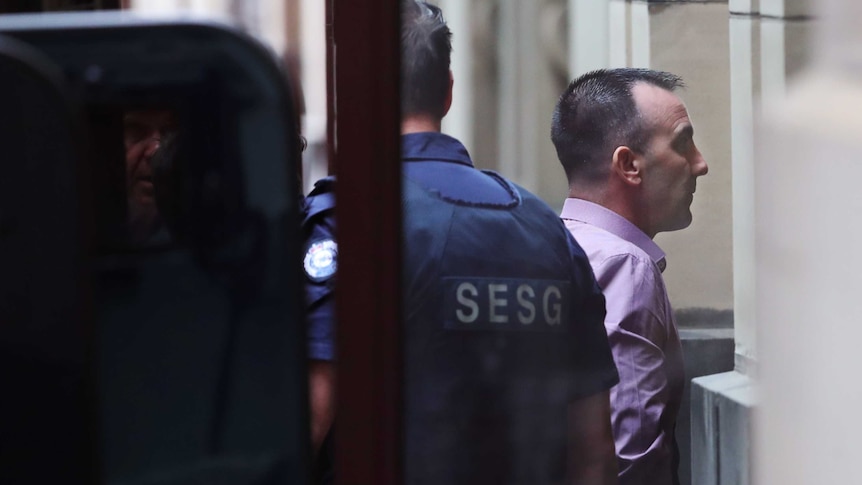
{"x":426,"y":48}
{"x":596,"y":114}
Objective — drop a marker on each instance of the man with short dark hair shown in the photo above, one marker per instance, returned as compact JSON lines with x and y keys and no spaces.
{"x":626,"y":143}
{"x":507,"y":366}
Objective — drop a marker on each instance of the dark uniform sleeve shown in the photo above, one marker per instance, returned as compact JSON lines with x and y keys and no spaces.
{"x":320,"y":259}
{"x":596,"y":363}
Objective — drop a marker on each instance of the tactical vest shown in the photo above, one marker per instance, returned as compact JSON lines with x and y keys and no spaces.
{"x":503,"y":329}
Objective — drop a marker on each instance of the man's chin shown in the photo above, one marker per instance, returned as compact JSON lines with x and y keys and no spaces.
{"x":143,"y":198}
{"x":142,"y":206}
{"x":685,"y":221}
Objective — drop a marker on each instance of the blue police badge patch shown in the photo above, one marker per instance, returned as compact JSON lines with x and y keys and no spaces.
{"x":321,"y":260}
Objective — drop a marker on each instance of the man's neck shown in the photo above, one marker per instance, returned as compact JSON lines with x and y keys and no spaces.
{"x":419,"y":124}
{"x":613,"y":201}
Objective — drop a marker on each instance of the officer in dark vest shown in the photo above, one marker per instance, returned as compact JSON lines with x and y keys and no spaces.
{"x":507,"y":366}
{"x":507,"y":362}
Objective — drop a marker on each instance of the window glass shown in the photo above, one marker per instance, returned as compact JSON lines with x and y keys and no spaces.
{"x":185,"y":189}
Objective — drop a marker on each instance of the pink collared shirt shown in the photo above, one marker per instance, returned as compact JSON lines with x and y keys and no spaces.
{"x":643,"y":337}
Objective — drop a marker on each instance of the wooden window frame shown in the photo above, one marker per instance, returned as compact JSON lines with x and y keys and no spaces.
{"x":364,"y":53}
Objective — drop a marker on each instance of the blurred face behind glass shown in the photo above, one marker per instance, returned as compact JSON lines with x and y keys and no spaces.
{"x":143,"y":132}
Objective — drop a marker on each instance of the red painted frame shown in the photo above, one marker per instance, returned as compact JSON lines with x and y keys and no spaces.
{"x":366,"y":60}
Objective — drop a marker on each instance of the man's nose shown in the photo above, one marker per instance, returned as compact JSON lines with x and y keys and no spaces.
{"x":153,"y":144}
{"x":700,"y":166}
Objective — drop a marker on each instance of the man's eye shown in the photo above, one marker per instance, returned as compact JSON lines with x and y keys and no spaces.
{"x":135,"y":132}
{"x":683,"y":144}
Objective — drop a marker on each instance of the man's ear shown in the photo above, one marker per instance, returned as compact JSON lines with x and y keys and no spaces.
{"x":449,"y":94}
{"x":627,"y":165}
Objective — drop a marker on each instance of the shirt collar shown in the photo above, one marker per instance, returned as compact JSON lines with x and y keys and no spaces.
{"x":431,"y":145}
{"x":604,"y":218}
